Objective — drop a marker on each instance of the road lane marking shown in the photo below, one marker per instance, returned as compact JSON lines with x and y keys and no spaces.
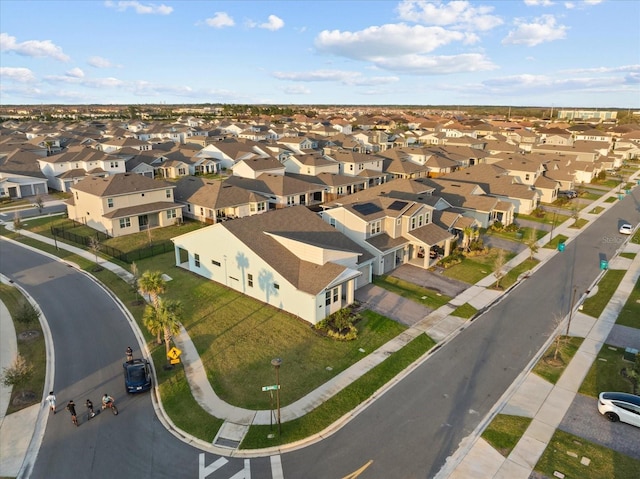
{"x":276,"y":467}
{"x":204,"y":471}
{"x":357,"y":472}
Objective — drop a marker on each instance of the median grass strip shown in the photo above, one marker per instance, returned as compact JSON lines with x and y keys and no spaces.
{"x":31,"y":347}
{"x":426,"y":297}
{"x":504,"y":432}
{"x":605,"y":373}
{"x":604,"y":462}
{"x":514,"y":273}
{"x":607,"y":286}
{"x":337,"y":406}
{"x":553,"y":244}
{"x":465,"y":311}
{"x":557,"y":357}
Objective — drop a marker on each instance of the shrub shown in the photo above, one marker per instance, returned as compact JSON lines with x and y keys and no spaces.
{"x":497,"y":226}
{"x":19,"y":372}
{"x":339,"y":325}
{"x":512,"y":228}
{"x":26,"y":314}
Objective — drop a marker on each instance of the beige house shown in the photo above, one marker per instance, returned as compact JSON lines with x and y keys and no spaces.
{"x":123,"y":204}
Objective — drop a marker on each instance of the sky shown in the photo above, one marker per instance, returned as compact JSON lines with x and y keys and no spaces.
{"x":547,"y":53}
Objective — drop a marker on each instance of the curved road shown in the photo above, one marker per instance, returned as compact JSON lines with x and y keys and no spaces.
{"x":406,"y":433}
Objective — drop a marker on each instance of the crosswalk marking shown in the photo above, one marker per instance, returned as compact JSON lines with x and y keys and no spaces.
{"x":244,"y":473}
{"x":204,"y":471}
{"x":276,"y":467}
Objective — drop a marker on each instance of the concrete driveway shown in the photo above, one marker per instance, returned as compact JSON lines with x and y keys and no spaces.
{"x":391,"y":305}
{"x":430,"y":280}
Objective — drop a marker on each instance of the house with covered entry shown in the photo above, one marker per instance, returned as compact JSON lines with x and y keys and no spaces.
{"x":287,"y":258}
{"x":123,"y":204}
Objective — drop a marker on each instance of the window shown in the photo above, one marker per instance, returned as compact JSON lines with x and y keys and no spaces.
{"x":327,"y":298}
{"x":113,"y":164}
{"x":215,"y":263}
{"x":340,"y":190}
{"x":201,"y":211}
{"x":261,"y":206}
{"x":413,"y":223}
{"x":420,"y":218}
{"x":196,"y":259}
{"x":331,"y":295}
{"x":375,"y":227}
{"x":125,"y":222}
{"x":351,"y":167}
{"x":110,"y":202}
{"x":168,"y":193}
{"x":332,"y":222}
{"x":252,"y":207}
{"x":291,"y":200}
{"x":335,"y":295}
{"x":276,"y":286}
{"x":399,"y":221}
{"x":171,"y":214}
{"x":250,"y":280}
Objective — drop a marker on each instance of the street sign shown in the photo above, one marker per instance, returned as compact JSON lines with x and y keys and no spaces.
{"x":271,"y":388}
{"x":175,"y":361}
{"x":174,"y":353}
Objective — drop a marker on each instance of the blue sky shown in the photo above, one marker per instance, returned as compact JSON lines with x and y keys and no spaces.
{"x":578,"y":53}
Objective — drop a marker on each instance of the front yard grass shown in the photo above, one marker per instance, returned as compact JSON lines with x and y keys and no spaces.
{"x":547,"y":218}
{"x":525,"y":233}
{"x":552,"y":365}
{"x":553,"y":244}
{"x":611,"y":199}
{"x":630,"y":313}
{"x":464,"y":311}
{"x":474,"y":268}
{"x":514,"y":273}
{"x":579,"y":223}
{"x":597,"y":210}
{"x":604,"y":374}
{"x":426,"y":297}
{"x":504,"y":432}
{"x":594,"y":305}
{"x":605,"y":462}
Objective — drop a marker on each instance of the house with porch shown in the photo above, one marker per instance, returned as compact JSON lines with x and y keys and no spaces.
{"x":123,"y":204}
{"x":289,"y":259}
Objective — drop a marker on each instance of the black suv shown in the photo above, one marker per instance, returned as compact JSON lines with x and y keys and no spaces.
{"x":568,"y":194}
{"x":137,"y":376}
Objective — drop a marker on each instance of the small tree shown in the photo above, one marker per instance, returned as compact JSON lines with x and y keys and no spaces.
{"x":26,"y":313}
{"x":575,"y":215}
{"x":133,"y":282}
{"x":498,"y":265}
{"x":39,"y":203}
{"x":170,"y":315}
{"x":17,"y":223}
{"x":532,"y":243}
{"x":151,"y":321}
{"x":95,"y":247}
{"x":18,"y":373}
{"x":152,"y":283}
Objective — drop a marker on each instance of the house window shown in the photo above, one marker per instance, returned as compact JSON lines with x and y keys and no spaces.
{"x":420,"y":218}
{"x":189,"y":207}
{"x":332,"y":222}
{"x":374,"y":228}
{"x":413,"y":223}
{"x":181,"y":171}
{"x":252,"y":207}
{"x":276,"y":286}
{"x":110,"y":202}
{"x":168,"y":193}
{"x":196,"y":259}
{"x":399,"y":221}
{"x":215,"y":263}
{"x":125,"y":222}
{"x":291,"y":200}
{"x":526,"y":177}
{"x":201,"y":211}
{"x":360,"y":166}
{"x":250,"y":280}
{"x":113,"y":164}
{"x":171,"y":214}
{"x":340,"y":190}
{"x":335,"y":295}
{"x":261,"y":206}
{"x":351,"y":167}
{"x":327,"y":298}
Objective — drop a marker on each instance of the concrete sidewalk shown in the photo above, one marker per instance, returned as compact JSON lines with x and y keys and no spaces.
{"x":439,"y":324}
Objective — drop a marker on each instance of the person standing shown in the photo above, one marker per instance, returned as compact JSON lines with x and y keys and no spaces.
{"x":89,"y":405}
{"x":129,"y":354}
{"x":71,"y":407}
{"x":51,"y":399}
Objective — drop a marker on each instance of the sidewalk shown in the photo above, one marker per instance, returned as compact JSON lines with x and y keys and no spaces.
{"x":439,"y":325}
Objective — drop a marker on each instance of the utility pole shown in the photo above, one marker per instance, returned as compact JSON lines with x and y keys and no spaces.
{"x":573,"y":300}
{"x":276,"y":362}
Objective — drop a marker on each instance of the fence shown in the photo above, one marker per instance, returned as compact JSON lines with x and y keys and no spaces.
{"x":128,"y":257}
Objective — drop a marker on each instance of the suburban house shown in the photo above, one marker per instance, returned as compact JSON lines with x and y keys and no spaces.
{"x":309,"y":271}
{"x":20,"y":176}
{"x":394,"y":222}
{"x":212,"y":201}
{"x":123,"y":204}
{"x":283,"y":190}
{"x":312,"y":164}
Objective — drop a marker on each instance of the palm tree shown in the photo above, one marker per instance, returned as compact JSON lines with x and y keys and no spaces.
{"x":152,"y":283}
{"x":151,"y":321}
{"x":467,"y":238}
{"x":170,"y":316}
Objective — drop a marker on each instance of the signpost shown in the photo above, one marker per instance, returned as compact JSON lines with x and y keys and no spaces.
{"x":174,"y":355}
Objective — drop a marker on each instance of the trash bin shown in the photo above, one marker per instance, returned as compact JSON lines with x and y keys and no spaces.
{"x":519,"y":235}
{"x":620,"y":197}
{"x":628,"y":191}
{"x":604,"y":264}
{"x":560,"y":246}
{"x":630,"y":354}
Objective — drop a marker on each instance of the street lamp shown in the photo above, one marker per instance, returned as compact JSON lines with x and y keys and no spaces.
{"x":553,"y":223}
{"x":276,"y":362}
{"x":573,"y":300}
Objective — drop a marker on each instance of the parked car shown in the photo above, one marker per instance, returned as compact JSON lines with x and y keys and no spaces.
{"x":568,"y":194}
{"x":137,"y":375}
{"x":623,"y":407}
{"x":626,"y":229}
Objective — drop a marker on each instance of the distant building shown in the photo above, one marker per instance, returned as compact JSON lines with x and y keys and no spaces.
{"x":587,"y":115}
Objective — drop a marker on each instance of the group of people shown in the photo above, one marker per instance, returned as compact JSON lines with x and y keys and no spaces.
{"x":107,"y":401}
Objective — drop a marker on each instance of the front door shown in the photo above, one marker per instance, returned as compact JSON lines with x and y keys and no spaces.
{"x":143,"y":222}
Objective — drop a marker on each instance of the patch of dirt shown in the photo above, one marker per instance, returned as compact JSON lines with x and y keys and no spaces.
{"x":28,"y":335}
{"x":556,"y":363}
{"x":23,"y":398}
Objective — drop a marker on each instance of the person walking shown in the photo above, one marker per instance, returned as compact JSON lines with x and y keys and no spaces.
{"x":89,"y":405}
{"x":71,"y":407}
{"x":51,"y":399}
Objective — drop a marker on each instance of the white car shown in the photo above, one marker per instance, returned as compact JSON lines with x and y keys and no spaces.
{"x":623,"y":407}
{"x":626,"y":229}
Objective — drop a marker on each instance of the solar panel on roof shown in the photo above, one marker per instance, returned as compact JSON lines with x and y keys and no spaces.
{"x":367,"y":208}
{"x":398,"y":205}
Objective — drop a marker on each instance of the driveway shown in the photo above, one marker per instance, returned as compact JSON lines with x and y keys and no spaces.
{"x":430,"y":280}
{"x":391,"y":305}
{"x":583,"y":420}
{"x":505,"y":244}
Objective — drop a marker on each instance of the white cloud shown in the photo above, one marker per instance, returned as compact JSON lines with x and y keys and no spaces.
{"x":623,"y":68}
{"x":339,"y":76}
{"x":22,"y":75}
{"x":103,"y":82}
{"x":458,"y":14}
{"x":220,"y":20}
{"x":536,"y":3}
{"x":148,"y":9}
{"x":274,"y":23}
{"x":296,"y":90}
{"x":437,"y":64}
{"x":32,"y":48}
{"x":75,"y":73}
{"x":99,"y":62}
{"x":543,"y":29}
{"x":569,"y":5}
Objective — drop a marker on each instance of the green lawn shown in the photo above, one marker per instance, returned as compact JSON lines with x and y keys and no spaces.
{"x":426,"y":297}
{"x":579,"y":223}
{"x":630,"y":313}
{"x":552,"y":365}
{"x":548,"y":218}
{"x":611,"y":199}
{"x":474,"y":268}
{"x":504,"y":432}
{"x":596,"y":210}
{"x":513,"y":235}
{"x":604,"y":374}
{"x":605,"y":463}
{"x":512,"y":276}
{"x":464,"y":311}
{"x":553,"y":244}
{"x":594,"y":305}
